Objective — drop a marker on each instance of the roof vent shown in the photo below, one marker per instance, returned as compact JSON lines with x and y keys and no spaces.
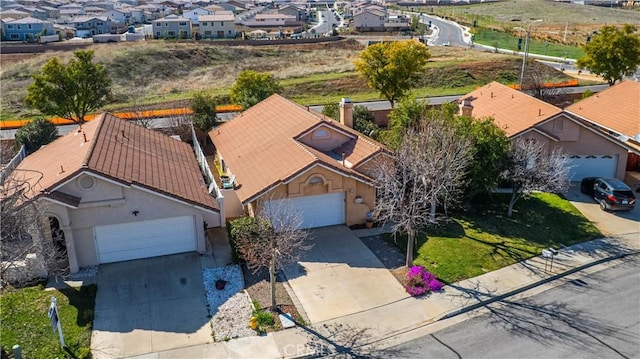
{"x":61,"y":170}
{"x":539,"y":112}
{"x":84,"y":136}
{"x":491,"y":94}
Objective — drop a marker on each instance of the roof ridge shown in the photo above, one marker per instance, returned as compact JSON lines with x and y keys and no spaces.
{"x":92,"y":146}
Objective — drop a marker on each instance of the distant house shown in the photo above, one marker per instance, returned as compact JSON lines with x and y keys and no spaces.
{"x":369,"y":19}
{"x":51,"y":12}
{"x":87,"y":26}
{"x":217,"y":26}
{"x":269,"y":20}
{"x":120,"y":15}
{"x":299,"y":11}
{"x":27,"y":29}
{"x":13,"y":14}
{"x":172,"y":27}
{"x":194,"y":13}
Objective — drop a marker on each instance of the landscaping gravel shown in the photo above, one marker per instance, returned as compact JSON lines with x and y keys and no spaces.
{"x":230,"y":307}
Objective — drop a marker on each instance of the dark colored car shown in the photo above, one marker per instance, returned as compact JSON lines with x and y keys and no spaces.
{"x":586,"y":185}
{"x":613,"y":194}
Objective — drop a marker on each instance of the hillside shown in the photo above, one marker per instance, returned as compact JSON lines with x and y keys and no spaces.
{"x":151,"y":73}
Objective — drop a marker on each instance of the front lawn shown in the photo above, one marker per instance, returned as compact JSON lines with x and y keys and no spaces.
{"x":485,"y":239}
{"x":25,"y":322}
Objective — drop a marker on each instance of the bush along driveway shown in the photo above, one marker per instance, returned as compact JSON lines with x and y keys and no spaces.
{"x":485,"y":239}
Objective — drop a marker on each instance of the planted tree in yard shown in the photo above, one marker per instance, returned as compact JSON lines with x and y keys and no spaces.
{"x":531,"y":168}
{"x":490,"y":147}
{"x":204,"y":115}
{"x":331,"y":110}
{"x":36,"y":134}
{"x":613,"y":53}
{"x":363,"y":119}
{"x":393,"y":68}
{"x":271,"y":239}
{"x":252,"y":87}
{"x":70,"y":91}
{"x":426,"y":172}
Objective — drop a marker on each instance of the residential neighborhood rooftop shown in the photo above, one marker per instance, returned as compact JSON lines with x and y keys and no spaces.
{"x":512,"y":110}
{"x":262,"y":145}
{"x":616,"y":108}
{"x":120,"y":151}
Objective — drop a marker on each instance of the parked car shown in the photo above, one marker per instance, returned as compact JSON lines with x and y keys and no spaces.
{"x":613,"y":194}
{"x":586,"y":185}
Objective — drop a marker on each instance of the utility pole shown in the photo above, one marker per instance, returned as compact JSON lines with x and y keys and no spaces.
{"x":526,"y":50}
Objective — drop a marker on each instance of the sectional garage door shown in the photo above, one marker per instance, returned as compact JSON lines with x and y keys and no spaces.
{"x":122,"y":242}
{"x":592,"y":166}
{"x":318,"y":211}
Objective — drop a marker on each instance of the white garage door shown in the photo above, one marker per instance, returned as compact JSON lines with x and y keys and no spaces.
{"x":320,"y":210}
{"x":122,"y":242}
{"x":592,"y":166}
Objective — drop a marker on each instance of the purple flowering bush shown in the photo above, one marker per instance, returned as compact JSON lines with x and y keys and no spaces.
{"x":421,"y":281}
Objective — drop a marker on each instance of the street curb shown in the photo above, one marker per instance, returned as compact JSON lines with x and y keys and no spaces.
{"x":535,"y":284}
{"x":486,"y":302}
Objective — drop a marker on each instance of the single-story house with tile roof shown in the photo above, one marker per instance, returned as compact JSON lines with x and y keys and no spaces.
{"x":118,"y":191}
{"x":591,"y":152}
{"x":279,"y":150}
{"x":615,"y":111}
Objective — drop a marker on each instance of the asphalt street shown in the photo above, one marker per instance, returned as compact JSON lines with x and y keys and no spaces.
{"x":595,"y":316}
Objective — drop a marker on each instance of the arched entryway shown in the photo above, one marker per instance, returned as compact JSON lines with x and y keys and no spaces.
{"x":60,"y":259}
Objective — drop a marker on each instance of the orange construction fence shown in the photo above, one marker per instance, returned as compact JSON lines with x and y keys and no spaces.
{"x":9,"y":124}
{"x":568,"y":83}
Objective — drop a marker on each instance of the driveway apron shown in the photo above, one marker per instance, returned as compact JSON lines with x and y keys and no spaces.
{"x":149,"y":305}
{"x":340,"y":276}
{"x":613,"y":224}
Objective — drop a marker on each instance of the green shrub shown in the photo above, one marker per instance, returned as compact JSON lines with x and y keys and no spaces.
{"x":265,"y":319}
{"x":233,"y":228}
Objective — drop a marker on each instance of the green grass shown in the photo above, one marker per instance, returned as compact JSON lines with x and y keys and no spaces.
{"x":25,"y":321}
{"x":485,"y":239}
{"x":504,"y":40}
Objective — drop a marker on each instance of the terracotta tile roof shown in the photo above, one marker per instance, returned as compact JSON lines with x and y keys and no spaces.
{"x":512,"y":110}
{"x":260,"y":146}
{"x":616,"y":108}
{"x":121,"y":151}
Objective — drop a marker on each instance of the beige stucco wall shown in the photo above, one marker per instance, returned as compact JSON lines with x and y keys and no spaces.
{"x":109,"y":203}
{"x":332,"y":182}
{"x":578,"y":140}
{"x":334,"y":139}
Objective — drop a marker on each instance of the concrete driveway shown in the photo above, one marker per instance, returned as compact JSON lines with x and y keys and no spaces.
{"x":340,"y":276}
{"x":149,"y":305}
{"x":612,"y":224}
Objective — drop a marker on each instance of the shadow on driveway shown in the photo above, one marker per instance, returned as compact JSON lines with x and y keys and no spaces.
{"x":149,"y":305}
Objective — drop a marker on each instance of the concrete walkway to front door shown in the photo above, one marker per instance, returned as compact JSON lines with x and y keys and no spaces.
{"x":340,"y":276}
{"x":149,"y":305}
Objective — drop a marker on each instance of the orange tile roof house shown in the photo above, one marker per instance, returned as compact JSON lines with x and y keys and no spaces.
{"x":119,"y":191}
{"x":591,"y":152}
{"x":278,"y":149}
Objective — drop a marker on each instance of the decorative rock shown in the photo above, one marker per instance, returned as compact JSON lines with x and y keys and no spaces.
{"x":286,"y":320}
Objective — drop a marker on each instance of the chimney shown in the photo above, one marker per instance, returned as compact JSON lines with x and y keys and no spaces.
{"x":466,"y":107}
{"x":346,"y":112}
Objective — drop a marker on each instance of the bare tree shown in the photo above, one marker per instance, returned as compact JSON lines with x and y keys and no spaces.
{"x":272,"y":240}
{"x":531,"y":168}
{"x":426,"y":172}
{"x":140,"y":116}
{"x":29,"y":250}
{"x":537,"y":86}
{"x":180,"y":122}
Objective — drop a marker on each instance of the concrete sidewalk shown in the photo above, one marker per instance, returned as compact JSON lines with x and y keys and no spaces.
{"x":385,"y":324}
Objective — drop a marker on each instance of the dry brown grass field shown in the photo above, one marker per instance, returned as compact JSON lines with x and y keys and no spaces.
{"x":161,"y":74}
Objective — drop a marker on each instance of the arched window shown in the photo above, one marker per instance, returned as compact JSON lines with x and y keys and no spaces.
{"x":321,"y":133}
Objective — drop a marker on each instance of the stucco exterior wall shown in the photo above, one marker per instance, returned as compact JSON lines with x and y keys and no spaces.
{"x":577,"y":140}
{"x":355,"y":213}
{"x":109,"y":203}
{"x":324,"y":138}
